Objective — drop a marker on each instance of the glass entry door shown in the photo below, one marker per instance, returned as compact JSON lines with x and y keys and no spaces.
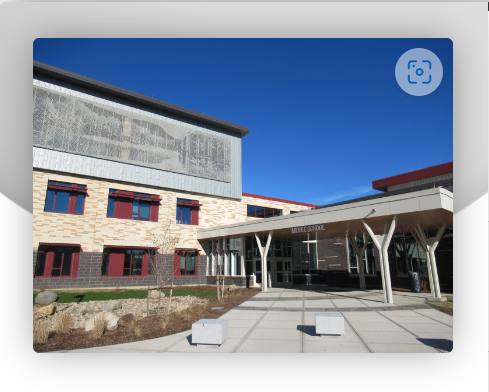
{"x":283,"y":274}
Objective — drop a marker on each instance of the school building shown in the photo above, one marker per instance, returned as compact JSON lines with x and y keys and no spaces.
{"x":124,"y":183}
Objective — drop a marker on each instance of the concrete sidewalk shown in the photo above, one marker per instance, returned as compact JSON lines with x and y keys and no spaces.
{"x":282,"y":321}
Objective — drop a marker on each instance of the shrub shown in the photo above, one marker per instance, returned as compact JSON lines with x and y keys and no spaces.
{"x":41,"y":331}
{"x":62,"y":321}
{"x":164,"y":322}
{"x":98,"y":326}
{"x":137,"y":331}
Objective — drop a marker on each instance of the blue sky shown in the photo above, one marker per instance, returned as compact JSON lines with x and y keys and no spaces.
{"x":326,"y":116}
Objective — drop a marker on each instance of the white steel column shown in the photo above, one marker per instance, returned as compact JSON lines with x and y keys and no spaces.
{"x":429,"y":246}
{"x":359,"y":252}
{"x":382,"y":242}
{"x":242,"y":257}
{"x":263,"y":254}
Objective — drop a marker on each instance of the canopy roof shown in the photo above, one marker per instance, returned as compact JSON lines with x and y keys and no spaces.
{"x":429,"y":208}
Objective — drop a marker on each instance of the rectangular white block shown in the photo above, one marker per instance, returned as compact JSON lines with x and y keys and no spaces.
{"x":331,"y":323}
{"x":210,"y":331}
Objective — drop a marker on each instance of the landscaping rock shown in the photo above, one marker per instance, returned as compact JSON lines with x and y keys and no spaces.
{"x":232,"y":287}
{"x":127,"y":318}
{"x":90,"y":324}
{"x":79,"y":312}
{"x":111,"y":321}
{"x":181,"y":307}
{"x":46,"y":297}
{"x":46,"y":310}
{"x":153,"y":294}
{"x":112,"y":305}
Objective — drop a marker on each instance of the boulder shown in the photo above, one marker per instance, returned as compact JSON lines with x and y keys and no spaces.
{"x":46,"y":310}
{"x":90,"y":324}
{"x":127,"y":318}
{"x":153,"y":294}
{"x":112,"y":305}
{"x":111,"y":321}
{"x":232,"y":287}
{"x":46,"y":297}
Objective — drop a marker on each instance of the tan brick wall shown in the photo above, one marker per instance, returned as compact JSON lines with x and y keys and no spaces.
{"x":94,"y":229}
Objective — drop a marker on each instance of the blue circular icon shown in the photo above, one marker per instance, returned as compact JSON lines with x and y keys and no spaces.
{"x":419,"y":72}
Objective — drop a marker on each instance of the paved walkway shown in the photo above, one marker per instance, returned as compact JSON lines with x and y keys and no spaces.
{"x":282,"y":321}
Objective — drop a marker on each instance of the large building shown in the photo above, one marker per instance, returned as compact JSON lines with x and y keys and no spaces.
{"x":124,"y":183}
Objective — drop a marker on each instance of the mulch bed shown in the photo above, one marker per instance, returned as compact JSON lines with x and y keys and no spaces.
{"x":148,"y":327}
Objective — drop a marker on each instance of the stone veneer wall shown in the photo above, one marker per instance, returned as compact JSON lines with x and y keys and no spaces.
{"x":93,"y":230}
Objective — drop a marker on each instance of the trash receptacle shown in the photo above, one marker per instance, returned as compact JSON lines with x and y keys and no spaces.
{"x":308,"y":279}
{"x":415,"y":278}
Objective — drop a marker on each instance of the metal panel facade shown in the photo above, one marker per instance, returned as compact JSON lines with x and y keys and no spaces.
{"x":96,"y":166}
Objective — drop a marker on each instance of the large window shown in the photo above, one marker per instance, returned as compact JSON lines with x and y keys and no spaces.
{"x":368,"y":257}
{"x":304,"y":258}
{"x":407,"y":254}
{"x":65,"y":198}
{"x":185,"y":262}
{"x":133,"y":205}
{"x":188,"y":212}
{"x":118,"y":262}
{"x":263,"y":212}
{"x":57,"y":261}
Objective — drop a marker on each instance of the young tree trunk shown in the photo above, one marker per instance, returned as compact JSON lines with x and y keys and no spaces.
{"x":223,"y":279}
{"x":169,"y":301}
{"x":147,"y":303}
{"x":159,"y":300}
{"x":217,"y":286}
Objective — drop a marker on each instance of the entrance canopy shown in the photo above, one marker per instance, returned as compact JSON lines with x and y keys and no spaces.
{"x":377,"y":217}
{"x":429,"y":208}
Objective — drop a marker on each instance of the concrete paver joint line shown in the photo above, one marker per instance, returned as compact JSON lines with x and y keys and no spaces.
{"x":245,"y":337}
{"x":358,"y":336}
{"x":412,"y":333}
{"x":431,"y":318}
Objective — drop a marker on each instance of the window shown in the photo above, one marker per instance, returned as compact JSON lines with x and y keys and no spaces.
{"x":263,"y":212}
{"x":406,"y":253}
{"x":368,"y":257}
{"x":119,"y":261}
{"x":133,"y":205}
{"x":185,"y":262}
{"x":188,"y":212}
{"x":65,"y":198}
{"x":57,"y":260}
{"x":294,"y":212}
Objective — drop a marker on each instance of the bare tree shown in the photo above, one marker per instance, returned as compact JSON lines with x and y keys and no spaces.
{"x":163,"y":267}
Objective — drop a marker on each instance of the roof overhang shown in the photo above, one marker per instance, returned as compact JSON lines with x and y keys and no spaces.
{"x":429,"y":208}
{"x":73,"y":79}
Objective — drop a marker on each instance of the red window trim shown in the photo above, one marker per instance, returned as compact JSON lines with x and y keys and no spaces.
{"x":48,"y":263}
{"x":144,"y":262}
{"x":177,"y":261}
{"x":194,"y":212}
{"x":130,"y":195}
{"x":74,"y":191}
{"x":153,"y":200}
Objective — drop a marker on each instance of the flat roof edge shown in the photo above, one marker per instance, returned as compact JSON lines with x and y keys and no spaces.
{"x":64,"y":76}
{"x":201,"y":233}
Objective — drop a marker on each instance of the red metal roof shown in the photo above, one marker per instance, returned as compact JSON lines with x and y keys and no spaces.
{"x":281,"y":200}
{"x":381,"y":185}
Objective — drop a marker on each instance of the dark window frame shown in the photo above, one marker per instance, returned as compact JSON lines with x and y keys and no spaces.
{"x":151,"y":200}
{"x":179,"y":253}
{"x":193,"y":206}
{"x":48,"y":254}
{"x":256,"y":211}
{"x":73,"y":190}
{"x":148,"y":259}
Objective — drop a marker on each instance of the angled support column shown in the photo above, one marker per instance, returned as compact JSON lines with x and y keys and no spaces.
{"x":382,"y":242}
{"x":263,"y":254}
{"x":359,"y":252}
{"x":429,"y":246}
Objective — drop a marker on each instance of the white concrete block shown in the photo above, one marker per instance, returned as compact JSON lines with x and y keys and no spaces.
{"x":331,"y":323}
{"x":210,"y":331}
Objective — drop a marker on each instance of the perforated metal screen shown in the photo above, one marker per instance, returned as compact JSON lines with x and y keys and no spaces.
{"x":76,"y":125}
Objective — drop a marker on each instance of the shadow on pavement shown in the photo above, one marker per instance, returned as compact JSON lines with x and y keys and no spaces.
{"x":441,"y":344}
